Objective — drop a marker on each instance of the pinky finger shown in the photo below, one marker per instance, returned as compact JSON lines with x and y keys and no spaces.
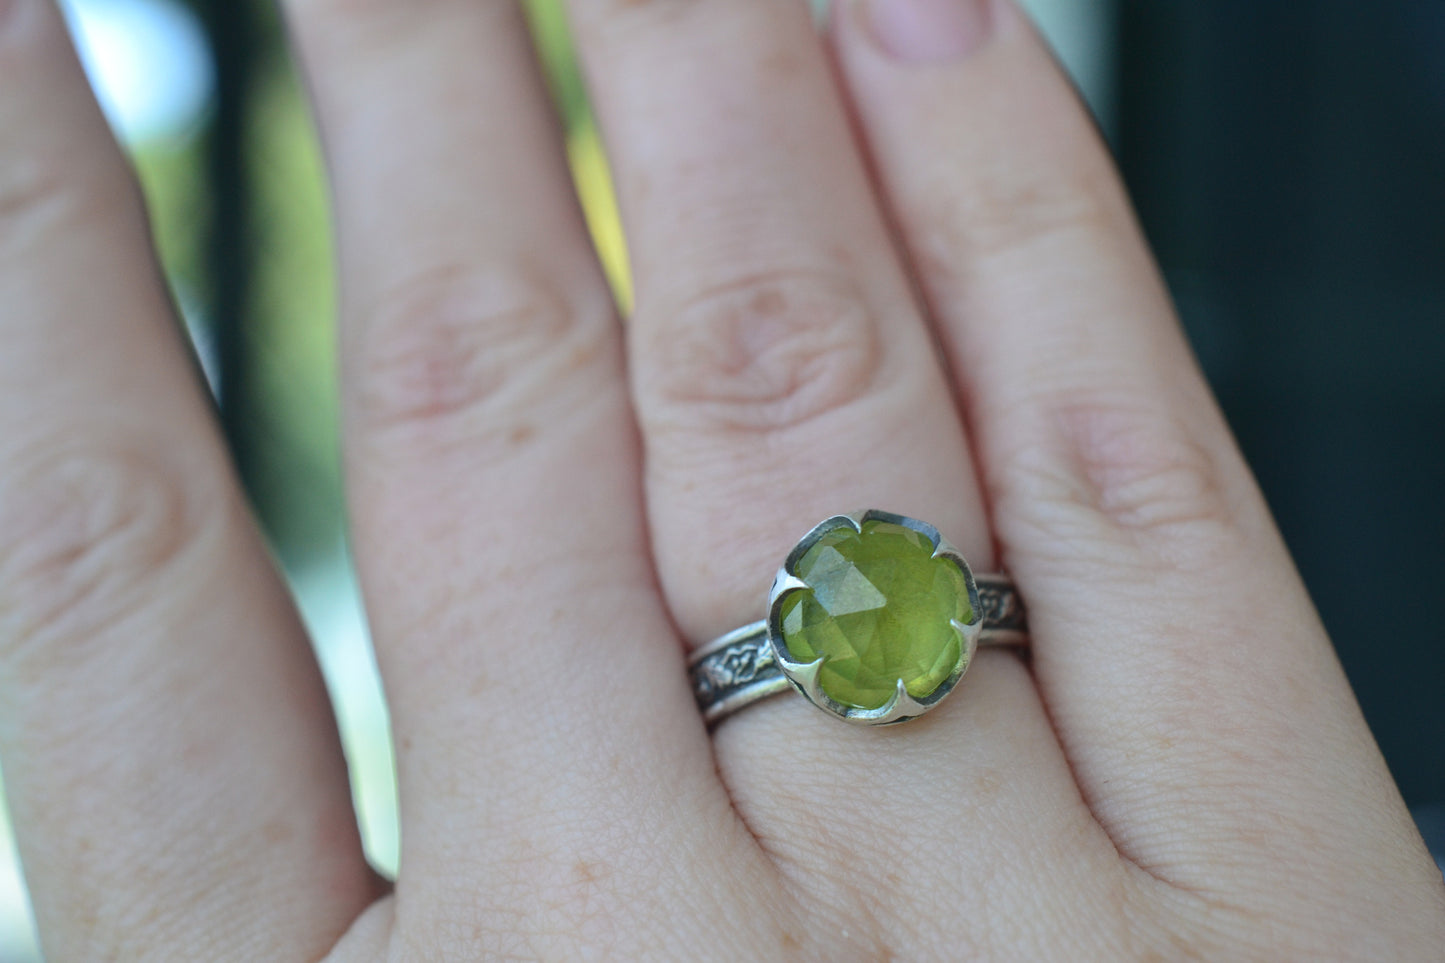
{"x":1194,"y":691}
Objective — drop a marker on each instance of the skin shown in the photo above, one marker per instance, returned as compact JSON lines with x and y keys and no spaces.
{"x":966,"y":327}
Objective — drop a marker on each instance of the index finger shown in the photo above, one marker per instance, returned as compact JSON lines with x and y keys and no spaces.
{"x":170,"y":757}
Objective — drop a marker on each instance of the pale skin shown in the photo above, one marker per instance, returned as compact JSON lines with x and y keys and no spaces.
{"x":550,"y":506}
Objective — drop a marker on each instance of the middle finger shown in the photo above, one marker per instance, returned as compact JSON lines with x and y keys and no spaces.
{"x":491,"y":477}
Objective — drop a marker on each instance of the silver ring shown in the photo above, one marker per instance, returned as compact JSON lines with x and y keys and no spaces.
{"x":873,"y":617}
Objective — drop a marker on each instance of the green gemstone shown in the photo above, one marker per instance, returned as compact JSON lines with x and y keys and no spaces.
{"x":878,"y":608}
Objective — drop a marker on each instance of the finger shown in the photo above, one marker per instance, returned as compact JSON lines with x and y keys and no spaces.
{"x":782,"y":374}
{"x":1191,"y":684}
{"x":536,"y":686}
{"x":169,"y":751}
{"x":781,"y":371}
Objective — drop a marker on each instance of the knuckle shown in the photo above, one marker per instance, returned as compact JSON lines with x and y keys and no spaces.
{"x":61,"y":175}
{"x":88,"y":537}
{"x":373,"y":22}
{"x":760,"y":354}
{"x":1004,"y":212}
{"x":622,"y":15}
{"x":461,"y":353}
{"x":10,"y":18}
{"x":1122,"y":474}
{"x":39,"y":195}
{"x":24,"y":25}
{"x":29,"y":190}
{"x":347,"y":36}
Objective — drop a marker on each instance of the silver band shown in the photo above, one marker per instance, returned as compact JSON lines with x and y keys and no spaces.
{"x":737,"y":669}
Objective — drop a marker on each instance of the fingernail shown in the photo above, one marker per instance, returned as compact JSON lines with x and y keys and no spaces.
{"x":927,"y":31}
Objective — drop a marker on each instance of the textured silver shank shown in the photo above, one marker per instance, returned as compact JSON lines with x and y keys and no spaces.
{"x":735,"y":670}
{"x":738,"y":669}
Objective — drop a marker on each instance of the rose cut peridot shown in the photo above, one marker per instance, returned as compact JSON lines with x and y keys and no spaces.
{"x":878,"y":608}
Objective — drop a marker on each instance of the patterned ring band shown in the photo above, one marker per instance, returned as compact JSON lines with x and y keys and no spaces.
{"x":873,"y":617}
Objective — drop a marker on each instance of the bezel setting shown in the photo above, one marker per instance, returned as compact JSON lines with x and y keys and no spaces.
{"x":804,"y":675}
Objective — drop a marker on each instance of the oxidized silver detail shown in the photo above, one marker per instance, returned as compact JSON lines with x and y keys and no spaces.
{"x":735,"y":670}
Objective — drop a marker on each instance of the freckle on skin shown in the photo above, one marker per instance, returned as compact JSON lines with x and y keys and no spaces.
{"x":842,"y":254}
{"x":583,"y":356}
{"x":767,"y":302}
{"x":781,"y":65}
{"x":519,"y":435}
{"x":277,"y":831}
{"x":198,"y":754}
{"x":790,"y":942}
{"x":986,"y":784}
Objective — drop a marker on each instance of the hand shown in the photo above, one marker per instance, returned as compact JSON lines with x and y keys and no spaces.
{"x":1180,"y":770}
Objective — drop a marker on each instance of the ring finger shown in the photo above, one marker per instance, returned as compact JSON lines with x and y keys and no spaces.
{"x":782,"y":374}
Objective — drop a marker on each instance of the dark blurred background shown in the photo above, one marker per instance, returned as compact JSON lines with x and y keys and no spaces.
{"x":1288,"y":163}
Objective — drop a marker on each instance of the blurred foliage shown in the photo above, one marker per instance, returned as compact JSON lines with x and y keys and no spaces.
{"x":554,"y":48}
{"x":175,"y":189}
{"x":295,"y":464}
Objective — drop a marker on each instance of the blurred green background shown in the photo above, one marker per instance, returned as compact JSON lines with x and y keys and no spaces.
{"x":1238,"y":126}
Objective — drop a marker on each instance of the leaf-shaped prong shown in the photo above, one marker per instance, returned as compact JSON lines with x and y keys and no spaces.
{"x":946,"y":551}
{"x":804,"y":675}
{"x":968,"y":634}
{"x":785,"y":582}
{"x":901,"y":706}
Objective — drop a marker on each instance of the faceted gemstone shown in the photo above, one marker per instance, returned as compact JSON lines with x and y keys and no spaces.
{"x":878,"y":608}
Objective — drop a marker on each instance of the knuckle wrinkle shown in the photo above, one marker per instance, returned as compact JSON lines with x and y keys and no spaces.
{"x":89,"y":537}
{"x":762,"y":354}
{"x":1146,"y":473}
{"x":1006,"y":212}
{"x":458,"y":344}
